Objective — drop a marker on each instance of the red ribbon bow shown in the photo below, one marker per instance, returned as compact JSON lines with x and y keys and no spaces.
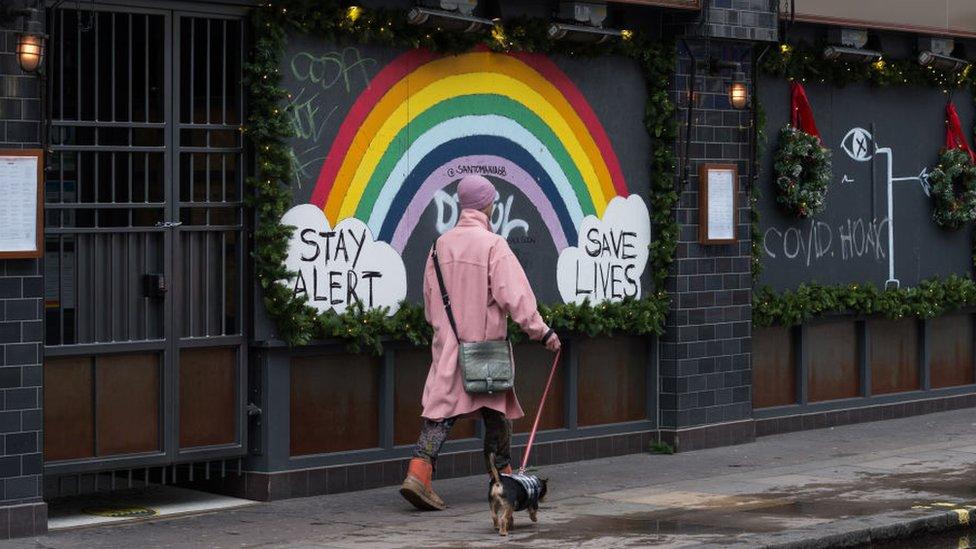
{"x":802,"y":118}
{"x":955,"y":138}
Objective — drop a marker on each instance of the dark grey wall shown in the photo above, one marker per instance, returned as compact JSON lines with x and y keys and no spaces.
{"x":613,"y":86}
{"x":22,"y":513}
{"x":848,"y":240}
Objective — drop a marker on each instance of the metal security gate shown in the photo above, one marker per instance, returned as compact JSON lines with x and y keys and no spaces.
{"x":145,"y":351}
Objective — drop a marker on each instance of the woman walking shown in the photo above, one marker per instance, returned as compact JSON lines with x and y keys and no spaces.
{"x":486,"y":285}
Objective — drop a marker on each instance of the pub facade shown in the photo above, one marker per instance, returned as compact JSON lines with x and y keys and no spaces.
{"x":236,"y":200}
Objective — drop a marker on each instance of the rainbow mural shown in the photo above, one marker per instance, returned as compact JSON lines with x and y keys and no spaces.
{"x":424,"y":114}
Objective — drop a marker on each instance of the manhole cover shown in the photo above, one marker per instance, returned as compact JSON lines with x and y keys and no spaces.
{"x":120,"y":512}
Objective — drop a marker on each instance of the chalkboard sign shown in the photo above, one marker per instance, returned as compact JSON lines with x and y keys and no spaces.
{"x":21,"y":218}
{"x":877,"y":225}
{"x":382,"y":136}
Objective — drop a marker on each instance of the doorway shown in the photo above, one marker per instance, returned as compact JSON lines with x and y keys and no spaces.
{"x":145,"y":348}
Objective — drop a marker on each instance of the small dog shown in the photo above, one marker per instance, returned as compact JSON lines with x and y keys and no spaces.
{"x":510,"y":493}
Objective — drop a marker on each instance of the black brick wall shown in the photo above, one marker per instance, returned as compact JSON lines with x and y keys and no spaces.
{"x":22,"y":513}
{"x":705,"y":352}
{"x":739,"y":19}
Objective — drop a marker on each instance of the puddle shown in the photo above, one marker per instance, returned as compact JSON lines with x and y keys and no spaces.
{"x":635,"y":529}
{"x":948,"y":540}
{"x":872,"y":493}
{"x":784,"y":507}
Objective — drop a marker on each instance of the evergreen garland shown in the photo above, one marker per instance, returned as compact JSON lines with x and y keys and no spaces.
{"x":805,"y":63}
{"x":755,"y":195}
{"x":931,"y":298}
{"x":953,"y":190}
{"x":268,"y":129}
{"x":803,"y":172}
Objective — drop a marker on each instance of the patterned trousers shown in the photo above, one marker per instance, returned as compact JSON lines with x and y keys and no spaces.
{"x":498,"y":438}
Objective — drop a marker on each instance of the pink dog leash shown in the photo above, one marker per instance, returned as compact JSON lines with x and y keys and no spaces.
{"x":538,"y":414}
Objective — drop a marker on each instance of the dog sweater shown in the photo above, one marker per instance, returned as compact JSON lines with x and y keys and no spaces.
{"x":533,"y":489}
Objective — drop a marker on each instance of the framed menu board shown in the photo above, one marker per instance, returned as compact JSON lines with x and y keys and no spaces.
{"x":21,"y":203}
{"x":717,"y":204}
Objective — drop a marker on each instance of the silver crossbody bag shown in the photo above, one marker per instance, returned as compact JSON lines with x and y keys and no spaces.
{"x":486,"y":366}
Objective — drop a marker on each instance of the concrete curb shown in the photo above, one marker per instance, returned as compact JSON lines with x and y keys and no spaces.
{"x":945,"y":521}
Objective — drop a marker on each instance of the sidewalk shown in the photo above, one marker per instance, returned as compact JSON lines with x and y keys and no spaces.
{"x":813,"y":488}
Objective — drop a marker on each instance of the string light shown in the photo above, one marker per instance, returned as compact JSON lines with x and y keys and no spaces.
{"x":498,"y":34}
{"x":353,"y":13}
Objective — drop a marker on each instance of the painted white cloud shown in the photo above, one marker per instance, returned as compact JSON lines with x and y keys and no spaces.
{"x":610,"y":256}
{"x":338,"y":267}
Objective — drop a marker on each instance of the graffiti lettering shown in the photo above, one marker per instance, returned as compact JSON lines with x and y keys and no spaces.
{"x":613,"y":279}
{"x":609,"y":259}
{"x":338,"y":267}
{"x":305,"y":117}
{"x":299,"y":168}
{"x":610,"y":244}
{"x":462,"y":170}
{"x":858,"y":238}
{"x":815,"y":241}
{"x":501,"y":221}
{"x":332,"y":68}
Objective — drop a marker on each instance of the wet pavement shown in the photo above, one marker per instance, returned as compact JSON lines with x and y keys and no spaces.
{"x":853,"y":485}
{"x":944,"y":540}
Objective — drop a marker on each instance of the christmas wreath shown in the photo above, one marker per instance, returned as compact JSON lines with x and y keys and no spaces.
{"x":803,"y":171}
{"x":953,"y":189}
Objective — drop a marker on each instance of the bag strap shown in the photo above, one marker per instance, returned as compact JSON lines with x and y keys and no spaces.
{"x":444,"y":295}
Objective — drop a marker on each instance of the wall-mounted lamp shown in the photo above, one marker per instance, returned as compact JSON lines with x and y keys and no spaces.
{"x":738,"y":91}
{"x":30,"y":41}
{"x":448,"y":20}
{"x":30,"y":51}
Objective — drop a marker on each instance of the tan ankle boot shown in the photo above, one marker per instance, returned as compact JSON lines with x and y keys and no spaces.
{"x":416,"y":487}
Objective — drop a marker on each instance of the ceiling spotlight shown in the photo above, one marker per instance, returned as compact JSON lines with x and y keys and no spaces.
{"x":447,"y":20}
{"x":853,"y":55}
{"x":941,"y":62}
{"x":583,"y":34}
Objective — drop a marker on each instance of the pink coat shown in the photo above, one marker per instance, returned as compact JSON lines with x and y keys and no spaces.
{"x":470,"y":255}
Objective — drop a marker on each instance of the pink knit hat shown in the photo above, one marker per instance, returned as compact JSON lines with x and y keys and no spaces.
{"x":475,"y":192}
